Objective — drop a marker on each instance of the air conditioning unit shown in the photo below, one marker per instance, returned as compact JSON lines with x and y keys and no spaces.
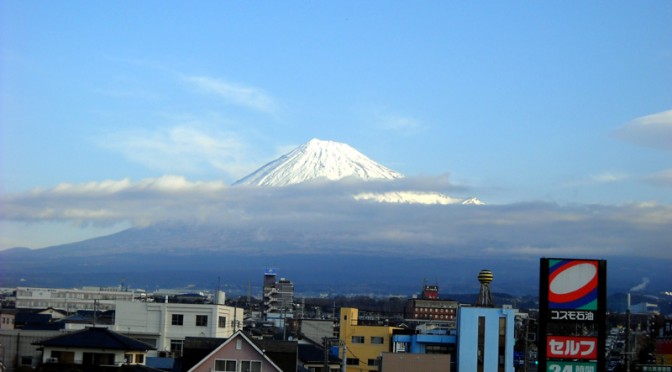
{"x":52,"y":360}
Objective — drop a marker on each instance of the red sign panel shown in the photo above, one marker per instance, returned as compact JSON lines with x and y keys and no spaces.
{"x":571,"y":347}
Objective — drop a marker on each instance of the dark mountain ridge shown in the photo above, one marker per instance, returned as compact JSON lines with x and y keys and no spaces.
{"x":175,"y":255}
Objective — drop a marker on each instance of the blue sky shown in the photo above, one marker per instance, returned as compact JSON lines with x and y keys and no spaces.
{"x":561,"y":103}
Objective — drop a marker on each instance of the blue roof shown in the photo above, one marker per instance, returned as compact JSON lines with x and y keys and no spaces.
{"x":160,"y":363}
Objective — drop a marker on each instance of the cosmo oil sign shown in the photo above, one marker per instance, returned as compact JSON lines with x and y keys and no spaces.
{"x":572,"y":299}
{"x":572,"y":284}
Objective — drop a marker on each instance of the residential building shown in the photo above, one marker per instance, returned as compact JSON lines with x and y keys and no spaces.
{"x":92,"y":347}
{"x":166,"y":325}
{"x":278,"y":298}
{"x":243,"y":353}
{"x":18,"y":350}
{"x":7,"y":318}
{"x":312,"y":356}
{"x":364,"y":344}
{"x":317,"y":329}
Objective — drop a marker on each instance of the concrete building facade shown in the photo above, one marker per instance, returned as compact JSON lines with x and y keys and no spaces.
{"x":485,"y":339}
{"x":166,"y":325}
{"x":364,"y":344}
{"x":71,"y":300}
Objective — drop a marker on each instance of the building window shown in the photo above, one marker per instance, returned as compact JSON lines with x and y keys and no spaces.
{"x":352,"y":361}
{"x":357,"y":339}
{"x":225,"y":365}
{"x":222,"y":322}
{"x":201,"y":320}
{"x":373,"y":362}
{"x":139,"y":359}
{"x":250,"y":366}
{"x":176,"y":347}
{"x":377,"y":340}
{"x":480,"y":351}
{"x":177,"y":319}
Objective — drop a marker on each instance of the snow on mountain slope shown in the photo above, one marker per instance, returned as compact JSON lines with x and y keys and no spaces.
{"x":331,"y":160}
{"x":416,"y":197}
{"x":318,"y":159}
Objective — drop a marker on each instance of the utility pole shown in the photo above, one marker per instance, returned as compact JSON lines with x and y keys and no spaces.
{"x":325,"y":345}
{"x":627,"y":336}
{"x":249,"y":294}
{"x":235,"y":313}
{"x":527,"y":331}
{"x":284,"y":324}
{"x":344,"y":361}
{"x":95,"y":311}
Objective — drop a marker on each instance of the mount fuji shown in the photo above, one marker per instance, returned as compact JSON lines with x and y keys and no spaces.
{"x":318,"y":159}
{"x":329,"y":160}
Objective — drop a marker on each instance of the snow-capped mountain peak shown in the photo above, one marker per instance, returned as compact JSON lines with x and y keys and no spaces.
{"x":318,"y":159}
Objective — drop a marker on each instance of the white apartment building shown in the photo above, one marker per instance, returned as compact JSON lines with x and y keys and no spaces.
{"x":71,"y":300}
{"x":166,"y":325}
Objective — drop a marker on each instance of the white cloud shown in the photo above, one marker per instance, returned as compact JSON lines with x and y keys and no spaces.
{"x":653,"y":130}
{"x":167,"y":183}
{"x":326,"y":215}
{"x":662,"y":178}
{"x":397,"y":123}
{"x":609,"y":177}
{"x":236,"y":94}
{"x":183,"y":149}
{"x":401,"y":124}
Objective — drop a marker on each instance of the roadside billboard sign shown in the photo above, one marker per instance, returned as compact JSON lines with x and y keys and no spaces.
{"x":572,"y":314}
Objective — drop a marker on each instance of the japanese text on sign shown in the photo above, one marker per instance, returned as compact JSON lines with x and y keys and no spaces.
{"x":571,"y":347}
{"x":572,"y":315}
{"x":571,"y":367}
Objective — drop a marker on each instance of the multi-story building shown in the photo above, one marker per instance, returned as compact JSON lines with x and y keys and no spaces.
{"x":430,"y":308}
{"x":166,"y":325}
{"x":278,"y":298}
{"x":71,"y":300}
{"x":364,"y":344}
{"x":485,"y":339}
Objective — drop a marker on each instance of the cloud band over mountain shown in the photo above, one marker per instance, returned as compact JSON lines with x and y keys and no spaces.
{"x":310,"y":215}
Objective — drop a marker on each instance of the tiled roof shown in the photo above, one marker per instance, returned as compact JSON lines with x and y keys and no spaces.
{"x":96,"y":338}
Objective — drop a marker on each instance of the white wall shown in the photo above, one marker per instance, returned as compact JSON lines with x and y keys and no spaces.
{"x":155,"y":319}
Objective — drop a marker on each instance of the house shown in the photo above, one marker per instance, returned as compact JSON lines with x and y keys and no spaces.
{"x":317,"y":329}
{"x":312,"y":357}
{"x":17,"y":349}
{"x":242,"y":353}
{"x":7,"y":318}
{"x":92,"y":347}
{"x":55,"y":314}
